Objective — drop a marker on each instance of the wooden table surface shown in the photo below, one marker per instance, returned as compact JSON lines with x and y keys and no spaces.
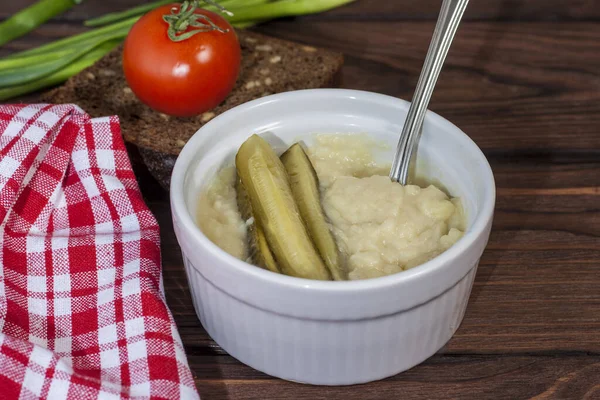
{"x":523,"y":80}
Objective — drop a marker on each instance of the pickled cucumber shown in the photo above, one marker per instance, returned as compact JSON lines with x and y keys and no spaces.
{"x":265,"y":180}
{"x":259,"y":252}
{"x":304,"y":183}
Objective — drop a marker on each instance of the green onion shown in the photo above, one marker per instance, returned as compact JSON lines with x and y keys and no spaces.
{"x":78,"y":39}
{"x":121,"y":15}
{"x":31,"y":17}
{"x":144,"y":8}
{"x":26,"y":60}
{"x":284,"y":8}
{"x":34,"y":67}
{"x":61,"y":75}
{"x":247,"y":24}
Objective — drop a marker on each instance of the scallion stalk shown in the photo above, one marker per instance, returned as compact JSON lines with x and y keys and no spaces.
{"x":246,"y":24}
{"x":31,"y":17}
{"x":26,"y":60}
{"x":284,"y":8}
{"x":121,"y":15}
{"x":61,"y":75}
{"x":78,"y":39}
{"x":39,"y":66}
{"x":144,"y":8}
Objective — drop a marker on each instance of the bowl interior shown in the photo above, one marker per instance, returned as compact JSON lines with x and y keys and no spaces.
{"x":445,"y":155}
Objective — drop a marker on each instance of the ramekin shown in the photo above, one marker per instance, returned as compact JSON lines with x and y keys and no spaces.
{"x":331,"y":333}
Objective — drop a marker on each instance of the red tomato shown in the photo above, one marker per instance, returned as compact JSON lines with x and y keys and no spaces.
{"x":183,"y":78}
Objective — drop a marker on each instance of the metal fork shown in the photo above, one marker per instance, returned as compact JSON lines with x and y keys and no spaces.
{"x":445,"y":29}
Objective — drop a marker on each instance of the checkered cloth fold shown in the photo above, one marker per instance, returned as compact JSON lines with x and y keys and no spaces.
{"x":82,"y":309}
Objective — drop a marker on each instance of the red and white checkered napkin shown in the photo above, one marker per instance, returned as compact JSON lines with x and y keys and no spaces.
{"x":82,"y":310}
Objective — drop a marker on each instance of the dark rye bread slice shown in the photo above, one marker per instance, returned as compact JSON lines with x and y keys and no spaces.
{"x":269,"y":66}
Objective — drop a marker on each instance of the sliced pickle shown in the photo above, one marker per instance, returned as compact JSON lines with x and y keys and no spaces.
{"x":259,"y":252}
{"x":304,"y":183}
{"x":273,"y":207}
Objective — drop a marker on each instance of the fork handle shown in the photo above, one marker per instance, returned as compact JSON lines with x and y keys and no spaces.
{"x":445,"y":29}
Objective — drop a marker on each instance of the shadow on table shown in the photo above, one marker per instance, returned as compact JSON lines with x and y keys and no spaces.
{"x":210,"y":373}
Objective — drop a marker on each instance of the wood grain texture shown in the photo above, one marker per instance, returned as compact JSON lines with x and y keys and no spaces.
{"x":450,"y":377}
{"x":404,"y":10}
{"x":501,"y":10}
{"x":523,"y":80}
{"x":502,"y":83}
{"x":532,"y":88}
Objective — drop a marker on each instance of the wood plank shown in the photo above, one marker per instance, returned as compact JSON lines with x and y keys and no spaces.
{"x":585,"y":223}
{"x":524,"y":171}
{"x":569,"y":200}
{"x":506,"y":10}
{"x":508,"y":377}
{"x":534,"y":292}
{"x":525,"y":87}
{"x":512,"y":86}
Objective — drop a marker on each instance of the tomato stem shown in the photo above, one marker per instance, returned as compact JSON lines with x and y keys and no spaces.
{"x":219,"y":7}
{"x":185,"y":17}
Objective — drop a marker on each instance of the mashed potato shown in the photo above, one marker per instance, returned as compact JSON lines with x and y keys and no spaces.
{"x":380,"y":227}
{"x":219,"y":217}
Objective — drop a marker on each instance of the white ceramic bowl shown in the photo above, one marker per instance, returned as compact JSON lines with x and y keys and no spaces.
{"x":331,"y":333}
